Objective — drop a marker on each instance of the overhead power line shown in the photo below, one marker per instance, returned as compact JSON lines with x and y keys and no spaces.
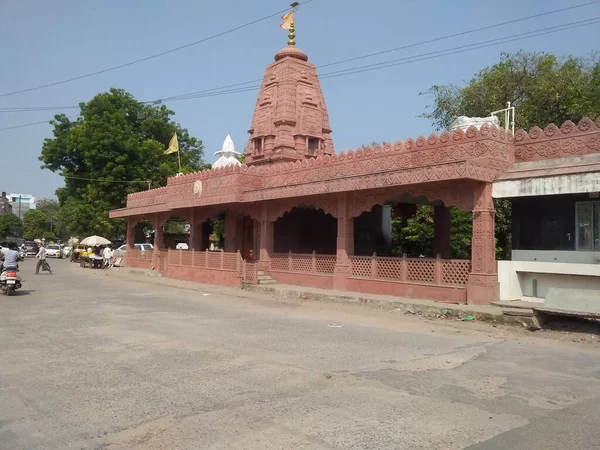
{"x":369,"y":55}
{"x":385,"y":64}
{"x":462,"y":33}
{"x":156,"y":55}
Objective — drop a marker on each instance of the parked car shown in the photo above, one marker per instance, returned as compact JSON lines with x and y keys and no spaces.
{"x":31,"y":249}
{"x":53,"y":251}
{"x":120,"y":252}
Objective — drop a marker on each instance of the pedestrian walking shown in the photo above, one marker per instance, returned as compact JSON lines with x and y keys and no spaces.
{"x":42,"y":263}
{"x":107,"y":254}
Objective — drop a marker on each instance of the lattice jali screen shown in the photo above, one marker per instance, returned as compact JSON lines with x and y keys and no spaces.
{"x":230,"y":261}
{"x":199,"y":259}
{"x":389,"y":268}
{"x":421,"y":270}
{"x":325,"y":263}
{"x":173,"y":257}
{"x":279,"y":261}
{"x":214,"y":260}
{"x":456,"y":271}
{"x":250,"y":273}
{"x":186,"y":258}
{"x":302,"y":263}
{"x":361,"y":266}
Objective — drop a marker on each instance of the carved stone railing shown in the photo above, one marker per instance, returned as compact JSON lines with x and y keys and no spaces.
{"x":309,"y":263}
{"x":139,"y":258}
{"x":437,"y":271}
{"x":221,"y":260}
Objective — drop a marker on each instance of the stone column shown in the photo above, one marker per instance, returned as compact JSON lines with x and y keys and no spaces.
{"x":194,"y":232}
{"x":482,"y":286}
{"x":157,"y":223}
{"x":266,"y":234}
{"x":131,"y":223}
{"x":345,"y":241}
{"x":441,"y":232}
{"x":130,"y":239}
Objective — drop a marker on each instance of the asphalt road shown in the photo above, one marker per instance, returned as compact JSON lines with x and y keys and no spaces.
{"x":90,"y":360}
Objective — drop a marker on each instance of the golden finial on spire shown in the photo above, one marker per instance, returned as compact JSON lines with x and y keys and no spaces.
{"x":288,"y":23}
{"x":292,"y":35}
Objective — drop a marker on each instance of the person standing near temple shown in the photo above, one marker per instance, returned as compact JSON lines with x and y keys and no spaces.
{"x":107,"y":255}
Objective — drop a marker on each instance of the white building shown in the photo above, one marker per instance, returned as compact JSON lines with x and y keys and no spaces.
{"x":21,"y":203}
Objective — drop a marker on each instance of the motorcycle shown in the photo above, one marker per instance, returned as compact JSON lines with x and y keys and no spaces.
{"x":10,"y":281}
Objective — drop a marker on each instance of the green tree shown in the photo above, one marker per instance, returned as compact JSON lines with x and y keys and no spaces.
{"x":542,"y":87}
{"x":10,"y":226}
{"x":51,"y":208}
{"x":120,"y":143}
{"x":414,"y":236}
{"x":35,"y":224}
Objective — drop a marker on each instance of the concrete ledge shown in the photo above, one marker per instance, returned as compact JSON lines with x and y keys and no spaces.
{"x":137,"y":271}
{"x":425,"y":308}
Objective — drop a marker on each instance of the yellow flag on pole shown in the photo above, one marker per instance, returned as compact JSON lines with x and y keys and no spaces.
{"x":173,"y":145}
{"x":288,"y":20}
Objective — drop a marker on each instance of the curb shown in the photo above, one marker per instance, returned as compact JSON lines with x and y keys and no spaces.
{"x":148,"y":273}
{"x":406,"y":307}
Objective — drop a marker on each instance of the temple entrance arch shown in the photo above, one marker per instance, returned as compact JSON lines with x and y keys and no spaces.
{"x":305,"y":229}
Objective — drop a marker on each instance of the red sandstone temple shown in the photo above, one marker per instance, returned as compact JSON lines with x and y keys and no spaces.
{"x":309,"y":214}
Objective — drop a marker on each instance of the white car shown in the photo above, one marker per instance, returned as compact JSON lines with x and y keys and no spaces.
{"x":120,"y":252}
{"x":53,"y":251}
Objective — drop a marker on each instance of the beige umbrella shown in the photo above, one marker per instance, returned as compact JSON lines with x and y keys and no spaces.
{"x":92,"y":241}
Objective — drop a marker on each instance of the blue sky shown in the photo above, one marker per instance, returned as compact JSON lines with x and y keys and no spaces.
{"x":42,"y":42}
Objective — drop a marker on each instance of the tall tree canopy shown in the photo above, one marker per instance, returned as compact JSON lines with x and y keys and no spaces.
{"x":543,"y":88}
{"x":10,"y":226}
{"x":36,"y":225}
{"x":119,"y":142}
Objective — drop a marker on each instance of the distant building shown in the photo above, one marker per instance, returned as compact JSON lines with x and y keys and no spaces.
{"x":21,"y":203}
{"x":5,"y":206}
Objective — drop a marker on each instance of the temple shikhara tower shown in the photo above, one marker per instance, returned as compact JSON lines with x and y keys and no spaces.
{"x":297,"y":212}
{"x":290,"y":120}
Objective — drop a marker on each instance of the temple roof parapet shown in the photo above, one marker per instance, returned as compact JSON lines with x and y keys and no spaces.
{"x":476,"y":154}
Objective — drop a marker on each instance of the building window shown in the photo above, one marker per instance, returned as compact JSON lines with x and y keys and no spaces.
{"x":588,"y":225}
{"x":258,"y":147}
{"x":313,"y":146}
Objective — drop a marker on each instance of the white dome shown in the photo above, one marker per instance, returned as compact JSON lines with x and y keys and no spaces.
{"x":228,"y":155}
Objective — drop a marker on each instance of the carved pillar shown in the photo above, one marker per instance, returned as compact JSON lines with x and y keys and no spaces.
{"x":159,"y":244}
{"x":157,"y":223}
{"x":483,"y":287}
{"x":441,"y":232}
{"x":131,"y":223}
{"x":266,"y":238}
{"x":195,"y":231}
{"x":130,"y":239}
{"x":231,"y":244}
{"x":345,"y":241}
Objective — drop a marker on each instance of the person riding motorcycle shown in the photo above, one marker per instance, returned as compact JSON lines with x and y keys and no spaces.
{"x":9,"y":258}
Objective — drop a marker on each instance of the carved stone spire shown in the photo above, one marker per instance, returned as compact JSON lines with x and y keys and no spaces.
{"x":290,"y":119}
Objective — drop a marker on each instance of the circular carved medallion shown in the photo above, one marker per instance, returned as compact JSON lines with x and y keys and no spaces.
{"x":198,"y":188}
